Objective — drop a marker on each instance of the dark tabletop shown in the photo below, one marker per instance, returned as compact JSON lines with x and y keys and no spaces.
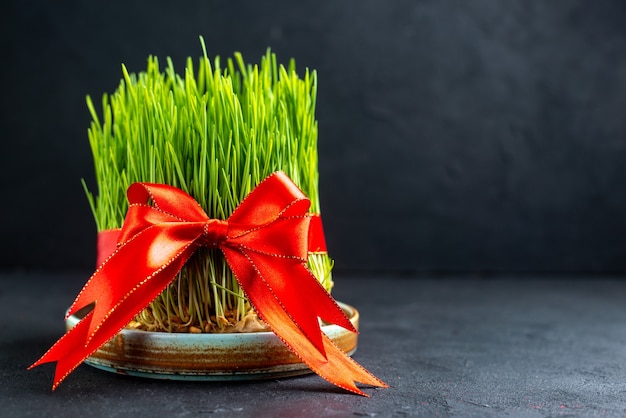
{"x":447,"y":347}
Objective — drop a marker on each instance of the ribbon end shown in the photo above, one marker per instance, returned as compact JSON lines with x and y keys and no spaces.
{"x":378,"y":384}
{"x":360,"y":392}
{"x":48,"y":357}
{"x":35,"y":364}
{"x":59,"y":374}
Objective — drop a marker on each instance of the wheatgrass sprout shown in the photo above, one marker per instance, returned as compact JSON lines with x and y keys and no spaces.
{"x":215,"y":132}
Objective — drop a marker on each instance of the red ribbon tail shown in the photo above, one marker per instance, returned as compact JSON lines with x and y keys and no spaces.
{"x":66,"y":351}
{"x":328,"y":361}
{"x":338,"y":368}
{"x":91,"y":333}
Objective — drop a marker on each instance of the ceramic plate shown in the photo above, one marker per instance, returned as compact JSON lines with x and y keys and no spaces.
{"x":184,"y":356}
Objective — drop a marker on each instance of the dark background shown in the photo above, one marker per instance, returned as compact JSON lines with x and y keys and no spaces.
{"x":456,"y":137}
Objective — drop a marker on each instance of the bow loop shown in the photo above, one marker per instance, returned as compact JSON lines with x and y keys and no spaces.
{"x":170,"y":200}
{"x":286,"y":200}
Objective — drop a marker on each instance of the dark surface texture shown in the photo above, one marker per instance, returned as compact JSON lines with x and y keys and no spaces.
{"x":481,"y":136}
{"x":509,"y":347}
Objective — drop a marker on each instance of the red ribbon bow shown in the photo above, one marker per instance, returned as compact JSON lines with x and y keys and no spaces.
{"x":265,"y":242}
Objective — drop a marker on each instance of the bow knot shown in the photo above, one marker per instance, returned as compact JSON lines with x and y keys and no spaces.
{"x":215,"y":231}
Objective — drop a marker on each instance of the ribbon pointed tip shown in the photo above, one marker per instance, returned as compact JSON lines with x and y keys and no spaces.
{"x":42,"y":360}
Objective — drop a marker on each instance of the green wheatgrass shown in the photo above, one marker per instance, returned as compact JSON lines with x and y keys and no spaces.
{"x":215,"y":132}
